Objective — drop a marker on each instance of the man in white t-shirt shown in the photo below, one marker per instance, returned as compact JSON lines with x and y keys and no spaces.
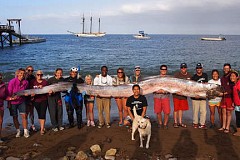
{"x":103,"y":104}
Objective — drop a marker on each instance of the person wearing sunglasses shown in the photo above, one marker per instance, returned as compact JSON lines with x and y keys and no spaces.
{"x":180,"y":102}
{"x":40,"y":100}
{"x":162,"y":102}
{"x":199,"y":104}
{"x":73,"y":99}
{"x":3,"y":95}
{"x":29,"y":75}
{"x":137,"y":77}
{"x":18,"y":103}
{"x":121,"y":79}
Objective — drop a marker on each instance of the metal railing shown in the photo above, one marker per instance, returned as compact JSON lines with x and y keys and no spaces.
{"x":6,"y":27}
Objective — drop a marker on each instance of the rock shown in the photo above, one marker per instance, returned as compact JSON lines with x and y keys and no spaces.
{"x":26,"y":156}
{"x":70,"y":154}
{"x":172,"y":158}
{"x":81,"y":156}
{"x":96,"y":150}
{"x":64,"y":158}
{"x":1,"y":158}
{"x":167,"y":156}
{"x":3,"y":147}
{"x":110,"y":154}
{"x":12,"y":158}
{"x":71,"y":148}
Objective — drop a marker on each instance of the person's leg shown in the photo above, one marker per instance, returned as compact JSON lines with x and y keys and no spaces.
{"x":237,"y":123}
{"x":100,"y":111}
{"x":107,"y":109}
{"x":212,"y":114}
{"x":86,"y":104}
{"x":203,"y":111}
{"x":195,"y":105}
{"x":220,"y":114}
{"x":120,"y":110}
{"x":229,"y":118}
{"x":78,"y":110}
{"x":224,"y":117}
{"x":60,"y":113}
{"x":125,"y":110}
{"x":42,"y":116}
{"x":175,"y":111}
{"x":52,"y":108}
{"x":158,"y":111}
{"x":90,"y":111}
{"x":1,"y":120}
{"x":70,"y":110}
{"x":166,"y":110}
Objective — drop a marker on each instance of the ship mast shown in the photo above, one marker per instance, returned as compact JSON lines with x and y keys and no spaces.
{"x":83,"y":23}
{"x":99,"y":25}
{"x":91,"y":25}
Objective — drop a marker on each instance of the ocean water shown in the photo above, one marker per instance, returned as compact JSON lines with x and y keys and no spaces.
{"x":125,"y":51}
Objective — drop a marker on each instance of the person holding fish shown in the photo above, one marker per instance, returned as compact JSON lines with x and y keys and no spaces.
{"x":136,"y":78}
{"x":3,"y":95}
{"x":18,"y":102}
{"x":103,"y":103}
{"x":121,"y":79}
{"x":55,"y":102}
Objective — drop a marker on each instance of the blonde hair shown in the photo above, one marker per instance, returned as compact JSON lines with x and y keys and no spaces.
{"x":89,"y":76}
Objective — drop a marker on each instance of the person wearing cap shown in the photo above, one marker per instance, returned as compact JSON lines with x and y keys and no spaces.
{"x":40,"y":100}
{"x":55,"y":107}
{"x":103,"y":103}
{"x":3,"y":96}
{"x":72,"y":104}
{"x":136,"y":78}
{"x":227,"y":102}
{"x":162,"y":102}
{"x":234,"y":77}
{"x":199,"y":104}
{"x":18,"y":103}
{"x":29,"y":105}
{"x":180,"y":102}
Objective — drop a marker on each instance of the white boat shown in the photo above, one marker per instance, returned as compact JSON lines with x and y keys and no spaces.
{"x":90,"y":34}
{"x":28,"y":40}
{"x":220,"y":38}
{"x":141,"y":35}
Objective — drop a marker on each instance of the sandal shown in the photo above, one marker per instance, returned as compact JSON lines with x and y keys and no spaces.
{"x":221,"y":129}
{"x":175,"y":125}
{"x":226,"y":131}
{"x":182,"y":125}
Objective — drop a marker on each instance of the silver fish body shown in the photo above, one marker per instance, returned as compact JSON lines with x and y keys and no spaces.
{"x":149,"y":85}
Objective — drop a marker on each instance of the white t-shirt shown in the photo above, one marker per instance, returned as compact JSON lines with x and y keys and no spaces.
{"x":217,"y":99}
{"x":103,"y":81}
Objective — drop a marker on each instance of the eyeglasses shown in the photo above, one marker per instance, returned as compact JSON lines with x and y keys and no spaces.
{"x":164,"y":69}
{"x":30,"y":70}
{"x":199,"y":68}
{"x":119,"y":72}
{"x":39,"y":74}
{"x":183,"y":67}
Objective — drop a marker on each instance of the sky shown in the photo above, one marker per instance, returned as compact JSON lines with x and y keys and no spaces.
{"x":125,"y":16}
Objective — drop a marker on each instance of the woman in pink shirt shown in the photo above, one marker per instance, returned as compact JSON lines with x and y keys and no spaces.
{"x":234,"y":77}
{"x":18,"y":103}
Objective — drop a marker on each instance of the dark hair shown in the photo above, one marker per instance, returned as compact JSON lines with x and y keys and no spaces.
{"x":123,"y":72}
{"x":29,"y":67}
{"x":163,"y":66}
{"x":21,"y":69}
{"x":58,"y":69}
{"x":135,"y":85}
{"x":234,"y":72}
{"x":227,"y":64}
{"x":215,"y":70}
{"x":104,"y":67}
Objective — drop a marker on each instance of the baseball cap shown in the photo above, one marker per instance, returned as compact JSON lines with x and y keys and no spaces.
{"x":137,"y":68}
{"x":183,"y":65}
{"x":199,"y":65}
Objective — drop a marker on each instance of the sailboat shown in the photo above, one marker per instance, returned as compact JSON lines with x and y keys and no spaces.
{"x":90,"y":34}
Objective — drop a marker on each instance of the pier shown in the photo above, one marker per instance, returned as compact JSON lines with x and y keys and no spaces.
{"x":7,"y":31}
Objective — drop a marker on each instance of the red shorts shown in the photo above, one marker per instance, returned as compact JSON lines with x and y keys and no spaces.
{"x":162,"y":105}
{"x":180,"y":104}
{"x":227,"y":103}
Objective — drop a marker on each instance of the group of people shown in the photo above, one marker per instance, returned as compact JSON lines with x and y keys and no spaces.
{"x":74,"y":100}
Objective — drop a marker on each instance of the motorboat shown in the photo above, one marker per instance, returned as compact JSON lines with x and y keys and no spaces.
{"x":220,"y":38}
{"x":29,"y":40}
{"x":141,"y":35}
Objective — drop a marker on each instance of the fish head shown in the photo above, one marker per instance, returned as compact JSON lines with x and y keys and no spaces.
{"x":215,"y":92}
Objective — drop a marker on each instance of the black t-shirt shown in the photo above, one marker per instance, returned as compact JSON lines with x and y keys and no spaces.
{"x":139,"y":103}
{"x":74,"y":80}
{"x":200,"y":79}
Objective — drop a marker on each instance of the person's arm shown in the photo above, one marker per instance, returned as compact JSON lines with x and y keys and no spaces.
{"x":130,"y":113}
{"x":144,"y":111}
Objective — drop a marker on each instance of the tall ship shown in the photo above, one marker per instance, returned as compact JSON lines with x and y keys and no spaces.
{"x":89,"y":34}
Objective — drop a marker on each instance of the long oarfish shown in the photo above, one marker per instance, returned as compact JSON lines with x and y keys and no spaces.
{"x":151,"y":84}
